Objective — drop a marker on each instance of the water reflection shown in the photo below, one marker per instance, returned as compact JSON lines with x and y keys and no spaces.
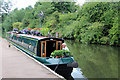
{"x":95,"y":61}
{"x":77,"y":73}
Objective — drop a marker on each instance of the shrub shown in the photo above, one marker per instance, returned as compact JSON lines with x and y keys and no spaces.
{"x":92,"y":34}
{"x":114,"y":33}
{"x":59,"y":53}
{"x":104,"y":40}
{"x":17,"y":25}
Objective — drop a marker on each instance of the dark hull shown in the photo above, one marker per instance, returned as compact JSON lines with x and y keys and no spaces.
{"x":62,"y":70}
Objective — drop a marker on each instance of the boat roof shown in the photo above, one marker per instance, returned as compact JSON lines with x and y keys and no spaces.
{"x":39,"y":37}
{"x":31,"y":36}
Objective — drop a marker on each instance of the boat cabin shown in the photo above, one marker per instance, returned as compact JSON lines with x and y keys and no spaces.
{"x":48,"y":45}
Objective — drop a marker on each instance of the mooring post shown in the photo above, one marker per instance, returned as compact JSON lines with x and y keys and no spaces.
{"x":9,"y":44}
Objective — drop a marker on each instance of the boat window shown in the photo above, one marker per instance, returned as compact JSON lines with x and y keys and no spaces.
{"x":43,"y":48}
{"x":54,"y":44}
{"x":26,"y":41}
{"x":58,"y":45}
{"x":15,"y":38}
{"x":22,"y":42}
{"x":33,"y":43}
{"x":19,"y":39}
{"x":34,"y":49}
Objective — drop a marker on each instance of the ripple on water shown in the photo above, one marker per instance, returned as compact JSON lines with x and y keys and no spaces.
{"x":77,"y":73}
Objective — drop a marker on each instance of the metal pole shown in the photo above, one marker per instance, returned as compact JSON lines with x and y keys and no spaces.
{"x":40,"y":25}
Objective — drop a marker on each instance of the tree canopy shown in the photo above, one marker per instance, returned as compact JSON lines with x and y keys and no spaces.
{"x":94,"y":22}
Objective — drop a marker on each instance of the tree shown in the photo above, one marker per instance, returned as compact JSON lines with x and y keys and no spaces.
{"x":64,"y":7}
{"x":92,"y":23}
{"x":114,"y":33}
{"x":5,"y":6}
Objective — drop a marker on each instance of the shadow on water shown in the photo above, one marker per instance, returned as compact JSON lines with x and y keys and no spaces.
{"x":95,"y":61}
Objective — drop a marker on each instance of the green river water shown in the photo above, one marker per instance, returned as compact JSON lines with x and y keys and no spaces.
{"x":95,"y":61}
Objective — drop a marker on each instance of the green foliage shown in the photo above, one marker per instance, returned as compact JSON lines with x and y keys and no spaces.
{"x":64,"y":7}
{"x":67,"y":24}
{"x":104,"y":40}
{"x":17,"y":25}
{"x":69,"y":29}
{"x":69,"y":16}
{"x":52,"y":20}
{"x":81,"y":27}
{"x":44,"y":31}
{"x":96,"y":23}
{"x":44,"y":7}
{"x":59,"y":53}
{"x":92,"y":34}
{"x":108,"y":17}
{"x":34,"y":23}
{"x":92,"y":23}
{"x":17,"y":15}
{"x":7,"y":24}
{"x":114,"y":33}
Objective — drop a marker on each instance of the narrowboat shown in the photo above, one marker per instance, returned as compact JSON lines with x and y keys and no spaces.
{"x":40,"y":48}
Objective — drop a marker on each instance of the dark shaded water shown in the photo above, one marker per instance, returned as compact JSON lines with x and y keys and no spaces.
{"x":95,"y":61}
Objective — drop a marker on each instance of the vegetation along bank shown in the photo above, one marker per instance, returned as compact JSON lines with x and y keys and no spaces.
{"x":94,"y":22}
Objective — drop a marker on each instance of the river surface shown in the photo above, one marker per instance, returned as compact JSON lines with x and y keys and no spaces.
{"x":95,"y":61}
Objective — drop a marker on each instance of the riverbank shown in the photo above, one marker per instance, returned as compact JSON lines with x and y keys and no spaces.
{"x":77,"y":41}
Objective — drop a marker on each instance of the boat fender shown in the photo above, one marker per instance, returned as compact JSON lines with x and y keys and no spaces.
{"x":73,"y":64}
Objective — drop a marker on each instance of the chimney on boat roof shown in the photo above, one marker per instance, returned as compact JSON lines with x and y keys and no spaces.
{"x":57,"y":35}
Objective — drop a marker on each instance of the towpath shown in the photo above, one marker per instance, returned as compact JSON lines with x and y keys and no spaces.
{"x":16,"y":64}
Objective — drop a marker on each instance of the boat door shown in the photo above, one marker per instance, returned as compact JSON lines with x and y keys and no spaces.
{"x":58,"y":45}
{"x":43,"y":48}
